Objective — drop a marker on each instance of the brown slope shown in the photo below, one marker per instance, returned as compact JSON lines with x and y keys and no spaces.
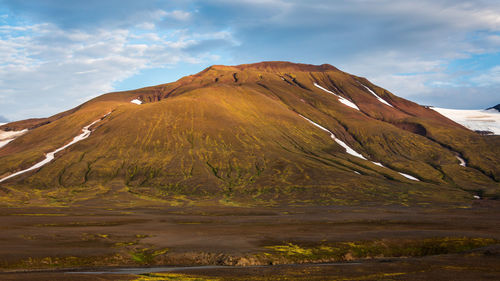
{"x":237,"y":130}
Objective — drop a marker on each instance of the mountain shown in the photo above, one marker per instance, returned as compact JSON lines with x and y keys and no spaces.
{"x":497,"y":107}
{"x":3,"y":120}
{"x":265,"y":133}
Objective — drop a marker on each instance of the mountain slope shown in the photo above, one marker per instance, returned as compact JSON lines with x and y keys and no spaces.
{"x":260,"y":133}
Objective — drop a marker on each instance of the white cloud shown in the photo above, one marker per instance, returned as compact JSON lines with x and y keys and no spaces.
{"x":490,"y":77}
{"x":146,"y":26}
{"x":178,"y":15}
{"x":45,"y":69}
{"x":158,"y":15}
{"x":402,"y":45}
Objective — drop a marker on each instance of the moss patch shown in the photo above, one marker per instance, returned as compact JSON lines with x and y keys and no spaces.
{"x":171,"y":276}
{"x":345,"y":251}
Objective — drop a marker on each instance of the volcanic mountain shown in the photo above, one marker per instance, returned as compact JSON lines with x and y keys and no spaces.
{"x":270,"y":133}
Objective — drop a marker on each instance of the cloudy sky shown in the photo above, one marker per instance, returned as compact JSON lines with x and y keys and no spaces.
{"x":56,"y":54}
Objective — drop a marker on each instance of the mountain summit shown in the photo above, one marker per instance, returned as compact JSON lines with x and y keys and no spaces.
{"x":270,"y":133}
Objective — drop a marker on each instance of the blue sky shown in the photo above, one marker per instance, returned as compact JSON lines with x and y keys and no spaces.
{"x":56,"y":54}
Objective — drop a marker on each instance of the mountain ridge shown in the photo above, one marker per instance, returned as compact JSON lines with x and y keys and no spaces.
{"x":497,"y":107}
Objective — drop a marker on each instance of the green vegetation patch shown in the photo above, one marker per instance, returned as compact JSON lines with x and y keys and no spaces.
{"x":345,"y":251}
{"x":146,"y":256}
{"x":171,"y":276}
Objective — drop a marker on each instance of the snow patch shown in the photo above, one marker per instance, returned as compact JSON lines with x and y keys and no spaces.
{"x":480,"y":120}
{"x":5,"y":142}
{"x":51,"y":155}
{"x":341,"y":143}
{"x":136,"y":101}
{"x":409,"y":177}
{"x":462,"y":161}
{"x":379,"y":98}
{"x":341,"y":99}
{"x":403,"y":174}
{"x":8,"y":136}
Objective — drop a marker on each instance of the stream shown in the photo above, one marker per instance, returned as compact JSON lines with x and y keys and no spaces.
{"x":144,"y":270}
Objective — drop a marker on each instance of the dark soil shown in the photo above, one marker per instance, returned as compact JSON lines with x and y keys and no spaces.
{"x":53,"y":239}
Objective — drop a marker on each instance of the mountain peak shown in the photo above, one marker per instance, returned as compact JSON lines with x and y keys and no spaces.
{"x":276,"y":66}
{"x":255,"y":71}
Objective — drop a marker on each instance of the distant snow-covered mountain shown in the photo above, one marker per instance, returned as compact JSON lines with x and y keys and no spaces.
{"x":496,"y":107}
{"x":477,"y":120}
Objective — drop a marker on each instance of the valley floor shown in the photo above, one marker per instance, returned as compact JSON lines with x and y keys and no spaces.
{"x":296,"y":243}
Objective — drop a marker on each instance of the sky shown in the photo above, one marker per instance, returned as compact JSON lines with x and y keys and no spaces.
{"x":56,"y":54}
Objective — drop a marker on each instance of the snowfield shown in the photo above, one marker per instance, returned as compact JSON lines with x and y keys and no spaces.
{"x":136,"y":101}
{"x":341,"y":99}
{"x":8,"y":136}
{"x":480,"y":120}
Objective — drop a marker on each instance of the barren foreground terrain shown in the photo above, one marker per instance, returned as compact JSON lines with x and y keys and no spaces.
{"x":250,"y":243}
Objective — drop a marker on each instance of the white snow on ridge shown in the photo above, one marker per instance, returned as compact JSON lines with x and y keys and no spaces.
{"x":409,"y":177}
{"x":352,"y":151}
{"x":5,"y":142}
{"x":403,"y":174}
{"x":379,"y":98}
{"x":136,"y":101}
{"x":341,"y":143}
{"x":51,"y":155}
{"x":481,"y":120}
{"x":462,"y":161}
{"x":11,"y":134}
{"x":341,"y":99}
{"x":8,"y":136}
{"x":348,"y":103}
{"x":378,"y":164}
